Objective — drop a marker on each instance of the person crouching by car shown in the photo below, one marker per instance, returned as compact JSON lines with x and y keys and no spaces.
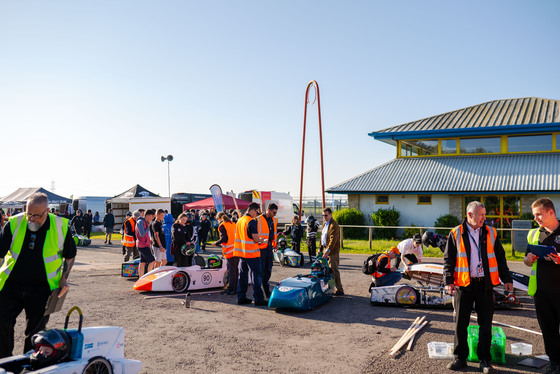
{"x":387,"y":275}
{"x":181,"y":237}
{"x":143,"y":242}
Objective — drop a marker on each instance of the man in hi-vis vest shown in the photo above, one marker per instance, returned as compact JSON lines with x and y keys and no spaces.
{"x":544,"y":282}
{"x":38,"y":252}
{"x":474,"y":262}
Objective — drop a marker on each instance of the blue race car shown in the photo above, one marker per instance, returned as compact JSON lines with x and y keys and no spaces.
{"x":304,"y":292}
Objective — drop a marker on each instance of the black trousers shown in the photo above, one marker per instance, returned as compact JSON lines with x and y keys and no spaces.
{"x":14,"y":298}
{"x":296,"y":245}
{"x":312,"y":248}
{"x":233,"y":273}
{"x":483,"y":301}
{"x":182,"y":260}
{"x":547,"y":306}
{"x":87,"y":231}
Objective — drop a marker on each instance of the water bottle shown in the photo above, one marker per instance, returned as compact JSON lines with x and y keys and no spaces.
{"x":188,"y":300}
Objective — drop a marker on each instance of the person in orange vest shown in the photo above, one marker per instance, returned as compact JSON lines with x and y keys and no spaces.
{"x":264,"y":228}
{"x":129,"y":236}
{"x":227,"y":238}
{"x":387,"y":275}
{"x":248,"y":250}
{"x":474,"y":262}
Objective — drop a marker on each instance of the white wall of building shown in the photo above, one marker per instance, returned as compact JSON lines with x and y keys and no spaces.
{"x":407,"y":205}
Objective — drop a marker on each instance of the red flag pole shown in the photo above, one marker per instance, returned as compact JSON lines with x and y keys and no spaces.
{"x":316,"y":85}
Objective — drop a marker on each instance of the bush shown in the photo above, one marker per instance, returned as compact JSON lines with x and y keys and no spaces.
{"x":447,"y":220}
{"x":351,"y":216}
{"x":529,"y":217}
{"x":410,"y":231}
{"x":385,"y":217}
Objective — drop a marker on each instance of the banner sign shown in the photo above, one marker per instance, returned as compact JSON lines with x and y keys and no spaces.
{"x":216,"y":192}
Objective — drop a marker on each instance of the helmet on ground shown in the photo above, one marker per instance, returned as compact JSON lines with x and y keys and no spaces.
{"x":318,"y":269}
{"x":51,"y":347}
{"x":214,"y":262}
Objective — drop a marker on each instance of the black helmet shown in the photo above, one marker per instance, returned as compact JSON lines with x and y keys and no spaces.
{"x":57,"y":340}
{"x":428,"y":239}
{"x":310,"y":219}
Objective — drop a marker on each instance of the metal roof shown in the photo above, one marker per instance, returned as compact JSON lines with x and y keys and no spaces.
{"x":498,"y":116}
{"x":520,"y":173}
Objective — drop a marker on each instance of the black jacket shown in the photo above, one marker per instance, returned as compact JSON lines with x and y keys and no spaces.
{"x":450,"y":256}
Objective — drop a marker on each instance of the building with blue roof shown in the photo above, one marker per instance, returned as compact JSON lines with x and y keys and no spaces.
{"x":505,"y":153}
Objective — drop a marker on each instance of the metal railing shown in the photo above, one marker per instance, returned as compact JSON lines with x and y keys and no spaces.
{"x":420,"y":228}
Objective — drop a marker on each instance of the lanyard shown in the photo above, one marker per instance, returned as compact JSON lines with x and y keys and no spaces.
{"x":477,"y":245}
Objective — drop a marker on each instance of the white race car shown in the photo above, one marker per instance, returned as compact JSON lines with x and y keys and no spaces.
{"x":180,"y":279}
{"x":87,"y":351}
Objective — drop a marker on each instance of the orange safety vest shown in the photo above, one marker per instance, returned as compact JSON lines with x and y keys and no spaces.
{"x":244,"y":246}
{"x":461,"y":275}
{"x":378,"y":274}
{"x":264,"y":232}
{"x":227,"y":247}
{"x":128,"y":240}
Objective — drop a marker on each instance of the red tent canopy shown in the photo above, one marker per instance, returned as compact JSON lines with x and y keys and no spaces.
{"x":209,"y":203}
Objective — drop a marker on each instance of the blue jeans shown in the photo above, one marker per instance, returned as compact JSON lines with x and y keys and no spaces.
{"x":256,"y":267}
{"x":267,"y":263}
{"x":388,"y":279}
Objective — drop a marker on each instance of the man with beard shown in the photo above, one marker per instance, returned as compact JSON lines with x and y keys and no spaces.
{"x":38,"y":253}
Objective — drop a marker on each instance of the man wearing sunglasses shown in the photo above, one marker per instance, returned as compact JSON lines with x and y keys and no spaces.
{"x":38,"y":252}
{"x":330,"y":247}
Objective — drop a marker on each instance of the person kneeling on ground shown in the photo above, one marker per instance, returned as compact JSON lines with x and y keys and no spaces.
{"x":385,"y":274}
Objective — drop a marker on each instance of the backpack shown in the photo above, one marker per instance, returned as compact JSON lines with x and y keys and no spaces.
{"x":370,"y":264}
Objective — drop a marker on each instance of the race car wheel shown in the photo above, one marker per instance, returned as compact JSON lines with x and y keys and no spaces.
{"x":407,"y":295}
{"x":180,"y":282}
{"x":98,"y":365}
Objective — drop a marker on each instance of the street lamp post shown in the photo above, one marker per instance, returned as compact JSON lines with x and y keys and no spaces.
{"x":168,"y":158}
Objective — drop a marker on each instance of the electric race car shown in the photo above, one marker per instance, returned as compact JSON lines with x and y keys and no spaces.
{"x":429,"y":289}
{"x":91,"y":350}
{"x":304,"y":292}
{"x":180,"y":279}
{"x":284,"y":255}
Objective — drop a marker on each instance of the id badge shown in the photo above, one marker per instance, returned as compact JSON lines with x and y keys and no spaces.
{"x":480,"y":270}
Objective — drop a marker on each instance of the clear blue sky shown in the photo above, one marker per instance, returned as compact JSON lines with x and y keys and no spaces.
{"x":93,"y":93}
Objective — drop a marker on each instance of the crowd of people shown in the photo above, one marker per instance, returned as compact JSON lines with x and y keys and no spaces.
{"x":474,"y":262}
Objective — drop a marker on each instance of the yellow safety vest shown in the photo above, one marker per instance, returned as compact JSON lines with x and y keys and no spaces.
{"x":227,"y":248}
{"x":533,"y":238}
{"x":461,"y":275}
{"x":52,"y":249}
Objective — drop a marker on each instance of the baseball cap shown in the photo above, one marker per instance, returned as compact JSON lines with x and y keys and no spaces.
{"x":417,"y":238}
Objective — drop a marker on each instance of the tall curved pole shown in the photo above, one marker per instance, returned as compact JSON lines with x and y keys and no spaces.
{"x":316,"y":85}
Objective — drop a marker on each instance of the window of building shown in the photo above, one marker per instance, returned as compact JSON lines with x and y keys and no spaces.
{"x":448,"y":146}
{"x":480,"y":145}
{"x":424,"y":199}
{"x":558,"y":142}
{"x":419,"y":147}
{"x":530,"y":143}
{"x":382,"y":199}
{"x":500,"y":211}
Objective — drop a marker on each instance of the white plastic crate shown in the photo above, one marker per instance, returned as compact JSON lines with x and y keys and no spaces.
{"x":521,"y":349}
{"x":440,"y":350}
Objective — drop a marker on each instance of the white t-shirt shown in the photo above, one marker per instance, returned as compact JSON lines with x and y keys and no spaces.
{"x":407,"y":247}
{"x":324,"y":234}
{"x":474,"y":238}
